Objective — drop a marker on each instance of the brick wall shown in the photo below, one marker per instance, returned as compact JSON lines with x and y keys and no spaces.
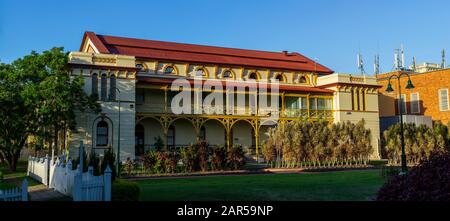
{"x":426,"y":84}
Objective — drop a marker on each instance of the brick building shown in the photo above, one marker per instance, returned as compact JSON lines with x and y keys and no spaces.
{"x":429,"y":97}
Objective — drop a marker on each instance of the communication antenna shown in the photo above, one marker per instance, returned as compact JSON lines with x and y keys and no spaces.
{"x":399,"y":59}
{"x":360,"y":64}
{"x":443,"y":59}
{"x":376,"y":65}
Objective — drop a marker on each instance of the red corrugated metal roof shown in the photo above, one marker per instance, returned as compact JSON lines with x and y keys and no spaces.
{"x":282,"y":87}
{"x":150,"y":49}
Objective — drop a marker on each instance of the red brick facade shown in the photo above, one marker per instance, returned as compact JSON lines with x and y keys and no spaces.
{"x":427,"y":85}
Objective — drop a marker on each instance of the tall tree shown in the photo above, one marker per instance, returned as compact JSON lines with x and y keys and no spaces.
{"x":38,"y":98}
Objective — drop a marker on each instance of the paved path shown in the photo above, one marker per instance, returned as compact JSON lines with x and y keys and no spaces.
{"x":42,"y":193}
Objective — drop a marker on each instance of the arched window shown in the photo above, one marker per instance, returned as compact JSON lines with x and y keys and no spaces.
{"x":253,"y":75}
{"x":94,"y":85}
{"x":227,"y":74}
{"x":112,"y":87}
{"x":169,"y":70}
{"x":280,"y":78}
{"x":202,"y":133}
{"x":103,"y":86}
{"x":303,"y":80}
{"x":171,"y":137}
{"x":140,"y":66}
{"x":200,"y":72}
{"x":102,"y":133}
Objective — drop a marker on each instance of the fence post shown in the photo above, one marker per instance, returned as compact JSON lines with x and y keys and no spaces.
{"x":77,"y":183}
{"x":25,"y":190}
{"x":29,"y":165}
{"x":81,"y":156}
{"x":46,"y":170}
{"x":107,"y":184}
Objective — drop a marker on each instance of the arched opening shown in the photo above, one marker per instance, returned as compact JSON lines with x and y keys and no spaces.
{"x":303,"y":80}
{"x":201,"y":72}
{"x":215,"y":133}
{"x":280,"y":78}
{"x":153,"y":134}
{"x":181,"y":134}
{"x":102,"y":134}
{"x":139,"y":132}
{"x":169,"y":70}
{"x":243,"y":134}
{"x":253,"y":76}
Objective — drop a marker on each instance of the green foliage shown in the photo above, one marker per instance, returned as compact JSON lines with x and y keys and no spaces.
{"x":159,"y":143}
{"x":38,"y":98}
{"x":129,"y":165}
{"x":219,"y":158}
{"x":1,"y":177}
{"x":85,"y":162}
{"x":305,"y":143}
{"x":189,"y":158}
{"x":420,"y":141}
{"x":160,"y":162}
{"x":429,"y":181}
{"x":236,"y":157}
{"x":122,"y":190}
{"x":109,"y":158}
{"x":203,"y":155}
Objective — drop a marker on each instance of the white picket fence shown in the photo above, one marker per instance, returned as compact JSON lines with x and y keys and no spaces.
{"x":15,"y":194}
{"x":80,"y":186}
{"x":38,"y":168}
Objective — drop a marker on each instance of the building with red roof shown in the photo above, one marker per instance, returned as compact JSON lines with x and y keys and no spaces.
{"x":178,"y":93}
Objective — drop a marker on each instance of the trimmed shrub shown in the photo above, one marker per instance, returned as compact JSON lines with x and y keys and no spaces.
{"x":149,"y":160}
{"x":429,"y":181}
{"x":203,"y":155}
{"x":219,"y":158}
{"x":109,"y":158}
{"x":122,"y":190}
{"x":236,"y":157}
{"x":189,"y":158}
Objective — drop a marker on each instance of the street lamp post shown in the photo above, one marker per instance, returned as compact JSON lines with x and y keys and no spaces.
{"x":118,"y":137}
{"x":400,"y":108}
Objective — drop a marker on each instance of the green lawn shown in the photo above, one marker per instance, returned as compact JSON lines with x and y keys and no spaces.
{"x":326,"y":186}
{"x":14,"y":179}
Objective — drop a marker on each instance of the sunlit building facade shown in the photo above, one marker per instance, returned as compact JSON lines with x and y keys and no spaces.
{"x":133,"y":80}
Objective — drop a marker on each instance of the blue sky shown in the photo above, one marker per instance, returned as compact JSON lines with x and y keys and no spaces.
{"x":332,"y":31}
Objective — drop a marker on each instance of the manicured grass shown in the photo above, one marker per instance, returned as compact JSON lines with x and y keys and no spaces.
{"x":13,"y":179}
{"x":325,"y":186}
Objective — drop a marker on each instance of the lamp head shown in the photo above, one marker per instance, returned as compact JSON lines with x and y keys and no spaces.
{"x":410,"y":84}
{"x":389,"y":88}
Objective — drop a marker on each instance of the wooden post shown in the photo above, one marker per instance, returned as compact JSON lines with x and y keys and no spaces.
{"x":107,"y":184}
{"x":46,"y":177}
{"x":25,"y":190}
{"x":81,"y":156}
{"x":77,"y":184}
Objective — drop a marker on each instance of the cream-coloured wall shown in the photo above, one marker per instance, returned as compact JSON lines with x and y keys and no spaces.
{"x":242,"y":134}
{"x":184,"y":132}
{"x":86,"y":122}
{"x":215,"y":133}
{"x":343,"y":112}
{"x":152,"y":130}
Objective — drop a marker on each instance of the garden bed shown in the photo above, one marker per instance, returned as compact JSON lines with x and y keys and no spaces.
{"x":262,"y":170}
